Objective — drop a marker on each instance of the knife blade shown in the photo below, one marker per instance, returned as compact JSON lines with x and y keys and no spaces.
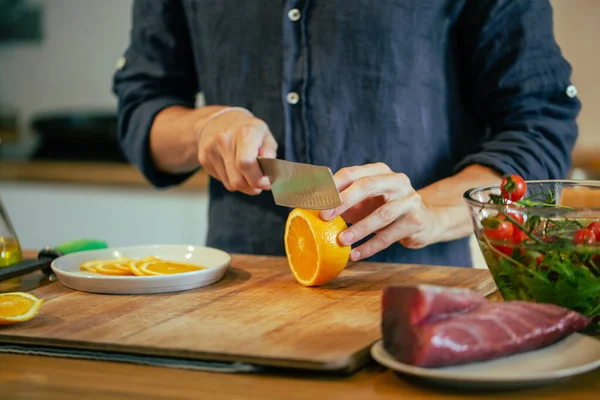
{"x":299,"y":185}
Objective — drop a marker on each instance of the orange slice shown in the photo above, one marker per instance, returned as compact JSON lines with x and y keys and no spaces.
{"x":90,"y":266}
{"x":114,"y":268}
{"x":314,"y":254}
{"x":107,"y":266}
{"x":18,"y":307}
{"x":159,"y":267}
{"x":147,"y":266}
{"x":135,"y":265}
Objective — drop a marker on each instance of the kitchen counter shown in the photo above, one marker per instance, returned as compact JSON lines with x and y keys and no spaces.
{"x":588,"y":160}
{"x":86,"y":173}
{"x":29,"y":376}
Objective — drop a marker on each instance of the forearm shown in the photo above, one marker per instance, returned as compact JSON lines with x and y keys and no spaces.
{"x":445,"y":200}
{"x":173,"y":137}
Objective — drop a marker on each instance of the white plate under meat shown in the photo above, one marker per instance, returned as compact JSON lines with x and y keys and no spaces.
{"x":573,"y":355}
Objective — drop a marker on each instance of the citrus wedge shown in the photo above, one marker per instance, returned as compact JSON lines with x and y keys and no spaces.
{"x":314,"y":254}
{"x":18,"y":307}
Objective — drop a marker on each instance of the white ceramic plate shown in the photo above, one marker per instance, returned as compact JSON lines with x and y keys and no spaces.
{"x":574,"y":355}
{"x":67,"y":269}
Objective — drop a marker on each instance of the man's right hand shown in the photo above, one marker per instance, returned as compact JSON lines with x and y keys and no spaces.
{"x":228,"y":146}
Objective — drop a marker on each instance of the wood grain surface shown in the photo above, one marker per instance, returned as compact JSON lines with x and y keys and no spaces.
{"x":86,"y":173}
{"x":29,"y":377}
{"x":256,"y":314}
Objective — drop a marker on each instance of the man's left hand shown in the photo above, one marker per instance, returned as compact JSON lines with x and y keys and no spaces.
{"x":377,"y":200}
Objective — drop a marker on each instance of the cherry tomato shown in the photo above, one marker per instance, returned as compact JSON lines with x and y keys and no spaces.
{"x":550,"y":239}
{"x":516,"y":216}
{"x":507,"y":250}
{"x":595,"y":227}
{"x":536,"y":256}
{"x":584,"y":236}
{"x":518,"y":235}
{"x":539,"y":258}
{"x":502,"y":231}
{"x":513,"y":187}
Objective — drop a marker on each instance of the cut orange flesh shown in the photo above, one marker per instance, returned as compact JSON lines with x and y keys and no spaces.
{"x":114,"y":268}
{"x":147,"y":266}
{"x":18,"y":307}
{"x":167,"y":268}
{"x":314,"y":253}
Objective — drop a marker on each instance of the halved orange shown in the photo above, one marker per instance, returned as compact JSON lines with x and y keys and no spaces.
{"x":18,"y":307}
{"x":314,"y":254}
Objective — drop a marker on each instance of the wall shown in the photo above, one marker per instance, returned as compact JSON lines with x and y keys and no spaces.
{"x":577,"y":29}
{"x":50,"y":214}
{"x":73,"y":65}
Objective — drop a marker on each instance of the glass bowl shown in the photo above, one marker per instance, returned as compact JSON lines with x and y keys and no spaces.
{"x":536,"y":249}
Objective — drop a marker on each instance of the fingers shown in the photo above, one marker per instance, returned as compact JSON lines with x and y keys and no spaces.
{"x":409,"y":225}
{"x":388,"y":185}
{"x":215,"y":163}
{"x":346,"y":176}
{"x":228,"y":148}
{"x":269,"y":147}
{"x":248,"y":147}
{"x":385,"y":215}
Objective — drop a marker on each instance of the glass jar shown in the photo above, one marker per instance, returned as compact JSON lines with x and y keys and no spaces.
{"x":10,"y":249}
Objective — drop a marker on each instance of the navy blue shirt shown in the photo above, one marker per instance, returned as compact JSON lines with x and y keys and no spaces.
{"x":425,"y":86}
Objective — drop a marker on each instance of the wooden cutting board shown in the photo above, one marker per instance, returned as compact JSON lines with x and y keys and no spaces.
{"x":257,"y":314}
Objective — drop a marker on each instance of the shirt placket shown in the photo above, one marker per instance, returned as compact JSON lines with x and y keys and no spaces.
{"x":294,"y":83}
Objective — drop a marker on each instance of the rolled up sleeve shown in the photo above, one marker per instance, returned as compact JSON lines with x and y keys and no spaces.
{"x":157,"y":71}
{"x":519,"y":87}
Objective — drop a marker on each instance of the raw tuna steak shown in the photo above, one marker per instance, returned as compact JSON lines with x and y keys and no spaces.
{"x":431,"y":326}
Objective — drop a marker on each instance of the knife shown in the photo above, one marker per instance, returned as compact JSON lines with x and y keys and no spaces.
{"x":299,"y":185}
{"x":47,"y":255}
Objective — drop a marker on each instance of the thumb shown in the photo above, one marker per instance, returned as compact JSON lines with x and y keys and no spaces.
{"x":268,"y":148}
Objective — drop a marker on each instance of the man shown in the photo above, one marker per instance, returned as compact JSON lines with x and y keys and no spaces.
{"x":411,"y":102}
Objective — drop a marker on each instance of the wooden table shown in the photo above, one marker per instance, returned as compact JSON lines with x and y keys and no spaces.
{"x":32,"y":377}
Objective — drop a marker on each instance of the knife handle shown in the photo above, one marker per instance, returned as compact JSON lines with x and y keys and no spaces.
{"x":23,"y":268}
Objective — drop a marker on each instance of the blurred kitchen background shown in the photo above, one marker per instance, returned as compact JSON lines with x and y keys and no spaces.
{"x":62,"y":175}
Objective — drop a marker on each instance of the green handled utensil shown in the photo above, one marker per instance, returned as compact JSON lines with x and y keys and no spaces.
{"x":47,"y":255}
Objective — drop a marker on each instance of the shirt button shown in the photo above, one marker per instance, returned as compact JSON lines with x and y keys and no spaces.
{"x":294,"y":14}
{"x":292,"y":98}
{"x":121,"y":63}
{"x":571,"y":91}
